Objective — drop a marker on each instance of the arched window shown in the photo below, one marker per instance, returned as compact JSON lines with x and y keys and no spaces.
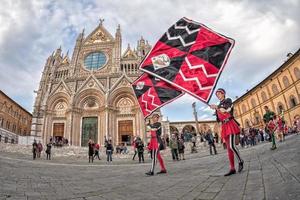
{"x":297,"y":72}
{"x":264,"y":96}
{"x":253,"y":103}
{"x":257,"y":117}
{"x":244,"y":108}
{"x":247,"y":123}
{"x":280,"y":107}
{"x":285,"y":81}
{"x":275,"y":89}
{"x":293,"y":101}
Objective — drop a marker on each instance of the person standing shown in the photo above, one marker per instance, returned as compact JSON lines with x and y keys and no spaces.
{"x":109,"y":151}
{"x":48,"y":150}
{"x":174,"y":147}
{"x":211,"y":142}
{"x":91,"y":150}
{"x":39,"y":149}
{"x":140,"y":149}
{"x":155,"y":145}
{"x":229,"y":129}
{"x":181,"y":148}
{"x":134,"y":147}
{"x":97,"y":151}
{"x":34,"y":149}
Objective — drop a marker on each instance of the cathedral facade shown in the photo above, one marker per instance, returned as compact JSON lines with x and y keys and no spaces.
{"x":89,"y":95}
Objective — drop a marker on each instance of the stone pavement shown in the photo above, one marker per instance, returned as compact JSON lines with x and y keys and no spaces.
{"x":267,"y":175}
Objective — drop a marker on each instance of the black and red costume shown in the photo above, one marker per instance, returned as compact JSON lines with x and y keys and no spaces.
{"x":229,"y":129}
{"x":155,"y":145}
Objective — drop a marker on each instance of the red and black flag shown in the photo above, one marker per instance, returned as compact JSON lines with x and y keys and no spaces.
{"x":190,"y":58}
{"x":152,"y":93}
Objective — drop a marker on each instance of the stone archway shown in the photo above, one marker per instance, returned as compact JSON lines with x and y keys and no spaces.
{"x":88,"y":117}
{"x":189,"y":129}
{"x":173,"y":129}
{"x":126,"y":120}
{"x":56,"y":117}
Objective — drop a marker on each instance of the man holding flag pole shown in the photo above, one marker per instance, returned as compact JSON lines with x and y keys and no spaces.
{"x":188,"y":58}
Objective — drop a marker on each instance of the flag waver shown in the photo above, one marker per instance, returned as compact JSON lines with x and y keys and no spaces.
{"x":190,"y":58}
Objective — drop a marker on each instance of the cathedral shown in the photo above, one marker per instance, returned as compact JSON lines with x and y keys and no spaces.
{"x":89,"y":95}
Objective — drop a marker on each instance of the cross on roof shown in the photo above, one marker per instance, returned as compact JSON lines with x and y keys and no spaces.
{"x":101,"y":20}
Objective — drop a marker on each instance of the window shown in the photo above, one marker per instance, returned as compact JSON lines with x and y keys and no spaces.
{"x":293,"y":101}
{"x":280,"y":107}
{"x":95,"y":61}
{"x":253,"y":103}
{"x":275,"y":89}
{"x":297,"y":73}
{"x":244,"y":108}
{"x":257,"y":117}
{"x":247,"y":123}
{"x":264,"y":96}
{"x":285,"y":81}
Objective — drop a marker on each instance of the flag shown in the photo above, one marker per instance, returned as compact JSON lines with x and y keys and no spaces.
{"x":189,"y":57}
{"x":152,"y":93}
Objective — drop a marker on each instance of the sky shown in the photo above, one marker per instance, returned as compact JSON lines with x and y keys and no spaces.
{"x":264,"y":32}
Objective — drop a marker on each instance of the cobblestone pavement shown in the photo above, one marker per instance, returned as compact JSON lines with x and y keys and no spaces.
{"x":267,"y":175}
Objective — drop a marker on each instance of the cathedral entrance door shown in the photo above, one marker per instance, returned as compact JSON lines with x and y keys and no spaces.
{"x":125,"y":131}
{"x":89,"y":130}
{"x":58,"y":131}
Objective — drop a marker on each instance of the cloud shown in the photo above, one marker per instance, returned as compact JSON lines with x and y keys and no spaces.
{"x":31,"y":30}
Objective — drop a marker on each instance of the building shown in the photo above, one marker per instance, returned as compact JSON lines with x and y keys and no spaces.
{"x":89,"y":94}
{"x":14,"y":119}
{"x":280,"y":91}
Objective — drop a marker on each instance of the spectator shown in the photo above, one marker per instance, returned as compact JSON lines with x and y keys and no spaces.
{"x":48,"y":151}
{"x":34,"y":149}
{"x":39,"y":149}
{"x":174,"y":147}
{"x":109,"y":151}
{"x":181,"y":148}
{"x":140,"y":149}
{"x":91,"y":150}
{"x":97,"y":151}
{"x":210,"y":139}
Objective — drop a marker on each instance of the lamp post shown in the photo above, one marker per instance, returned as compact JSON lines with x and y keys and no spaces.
{"x":195,"y":115}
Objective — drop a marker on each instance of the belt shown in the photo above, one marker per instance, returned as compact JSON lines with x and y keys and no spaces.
{"x":227,"y":120}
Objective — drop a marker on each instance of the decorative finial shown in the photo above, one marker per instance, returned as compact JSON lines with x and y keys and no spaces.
{"x":101,"y":20}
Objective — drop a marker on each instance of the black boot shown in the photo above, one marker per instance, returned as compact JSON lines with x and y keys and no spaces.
{"x":149,"y":173}
{"x":232,"y":171}
{"x":241,"y":166}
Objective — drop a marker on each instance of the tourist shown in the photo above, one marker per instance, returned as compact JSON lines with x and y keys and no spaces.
{"x":140,"y":149}
{"x":134,"y":148}
{"x":109,"y":151}
{"x":39,"y":149}
{"x":181,"y":148}
{"x":211,"y":142}
{"x":48,"y":151}
{"x":91,"y":150}
{"x":156,"y":145}
{"x":174,"y":147}
{"x":34,"y":149}
{"x":193,"y":145}
{"x":125,"y":150}
{"x":230,"y":128}
{"x":97,"y":151}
